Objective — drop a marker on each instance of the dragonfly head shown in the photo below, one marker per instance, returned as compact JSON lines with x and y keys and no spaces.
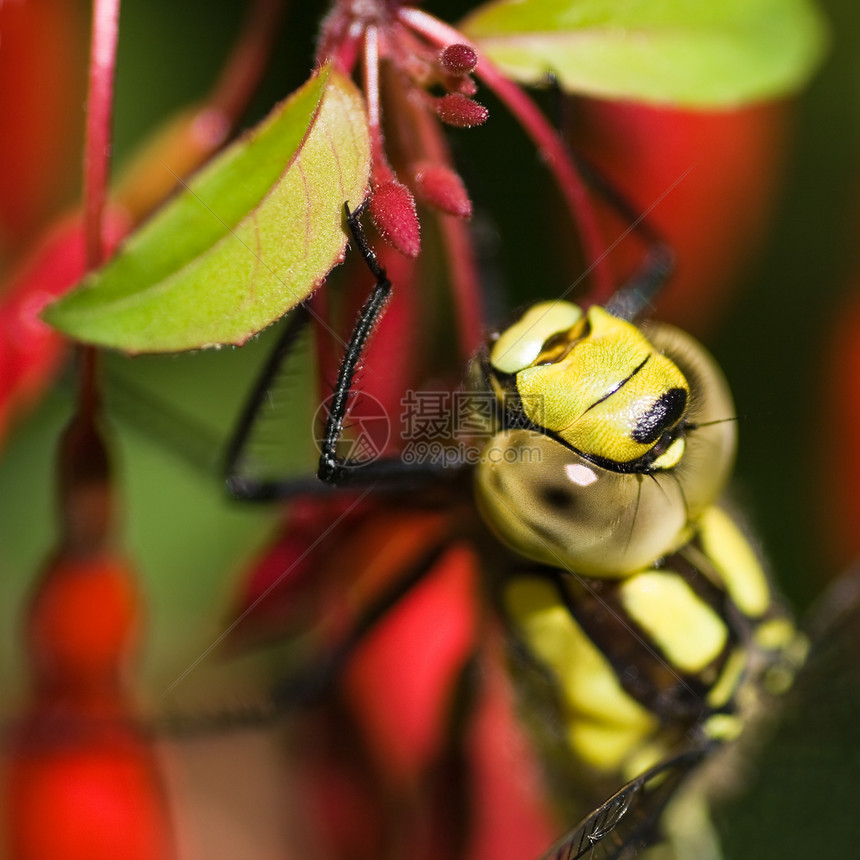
{"x":597,"y":415}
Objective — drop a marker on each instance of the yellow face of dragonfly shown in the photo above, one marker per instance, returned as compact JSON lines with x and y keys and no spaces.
{"x":614,"y":438}
{"x":598,"y":385}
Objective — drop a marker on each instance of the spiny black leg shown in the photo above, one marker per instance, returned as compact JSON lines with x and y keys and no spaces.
{"x":353,"y":220}
{"x":659,"y":263}
{"x":332,"y":468}
{"x":386,"y":472}
{"x":313,"y":681}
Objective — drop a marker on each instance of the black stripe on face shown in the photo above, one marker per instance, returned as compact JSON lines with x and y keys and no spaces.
{"x":664,"y":413}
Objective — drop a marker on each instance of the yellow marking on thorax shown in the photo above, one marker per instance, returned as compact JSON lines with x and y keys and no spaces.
{"x":643,"y":758}
{"x":688,"y":632}
{"x":730,"y":552}
{"x":775,"y":634}
{"x":605,"y":724}
{"x":604,"y":746}
{"x":729,"y":680}
{"x":723,"y":727}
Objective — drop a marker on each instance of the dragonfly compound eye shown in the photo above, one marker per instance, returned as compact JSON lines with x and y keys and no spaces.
{"x":552,"y":505}
{"x":623,"y":436}
{"x":519,"y":346}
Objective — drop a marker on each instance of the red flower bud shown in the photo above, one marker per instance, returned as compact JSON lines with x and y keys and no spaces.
{"x":459,"y":110}
{"x":464,"y":85}
{"x":392,"y":208}
{"x":458,"y":59}
{"x":442,"y":188}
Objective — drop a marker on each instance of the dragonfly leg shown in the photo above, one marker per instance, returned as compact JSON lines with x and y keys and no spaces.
{"x":391,"y":471}
{"x":333,"y":471}
{"x":634,"y":297}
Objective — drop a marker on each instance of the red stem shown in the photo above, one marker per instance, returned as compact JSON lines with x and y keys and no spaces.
{"x":380,"y":169}
{"x":458,"y":248}
{"x":98,"y":125}
{"x":553,"y":151}
{"x":465,"y":282}
{"x":97,"y":148}
{"x":343,"y":52}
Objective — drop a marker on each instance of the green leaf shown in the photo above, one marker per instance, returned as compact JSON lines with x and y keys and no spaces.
{"x":694,"y":53}
{"x":249,"y":238}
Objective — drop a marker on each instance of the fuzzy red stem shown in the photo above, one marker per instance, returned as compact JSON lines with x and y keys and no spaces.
{"x":346,"y":55}
{"x":458,"y":248}
{"x":98,"y":125}
{"x":97,"y":151}
{"x":544,"y":136}
{"x":381,"y":171}
{"x":371,"y":76}
{"x":465,"y":283}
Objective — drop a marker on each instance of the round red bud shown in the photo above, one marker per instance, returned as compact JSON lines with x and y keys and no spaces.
{"x":458,"y":59}
{"x":464,"y":85}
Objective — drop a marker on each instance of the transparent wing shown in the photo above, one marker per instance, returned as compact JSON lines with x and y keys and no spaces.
{"x":205,"y":410}
{"x":627,"y":821}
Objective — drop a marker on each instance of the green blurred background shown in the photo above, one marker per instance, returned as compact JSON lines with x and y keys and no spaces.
{"x":773,"y":344}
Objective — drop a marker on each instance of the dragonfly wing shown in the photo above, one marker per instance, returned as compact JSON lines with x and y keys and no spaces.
{"x":625,"y":823}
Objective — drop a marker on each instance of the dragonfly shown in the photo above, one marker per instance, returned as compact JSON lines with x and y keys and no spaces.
{"x":564,"y":570}
{"x":625,"y":816}
{"x":610,"y":823}
{"x":635,"y":608}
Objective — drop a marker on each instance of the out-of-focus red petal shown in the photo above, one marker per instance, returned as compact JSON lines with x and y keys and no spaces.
{"x":42,"y":87}
{"x":401,"y":680}
{"x":512,"y":813}
{"x":83,"y":623}
{"x":284,"y":586}
{"x":30,"y":351}
{"x":81,"y":778}
{"x":84,"y":795}
{"x":839,"y":461}
{"x":338,"y":797}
